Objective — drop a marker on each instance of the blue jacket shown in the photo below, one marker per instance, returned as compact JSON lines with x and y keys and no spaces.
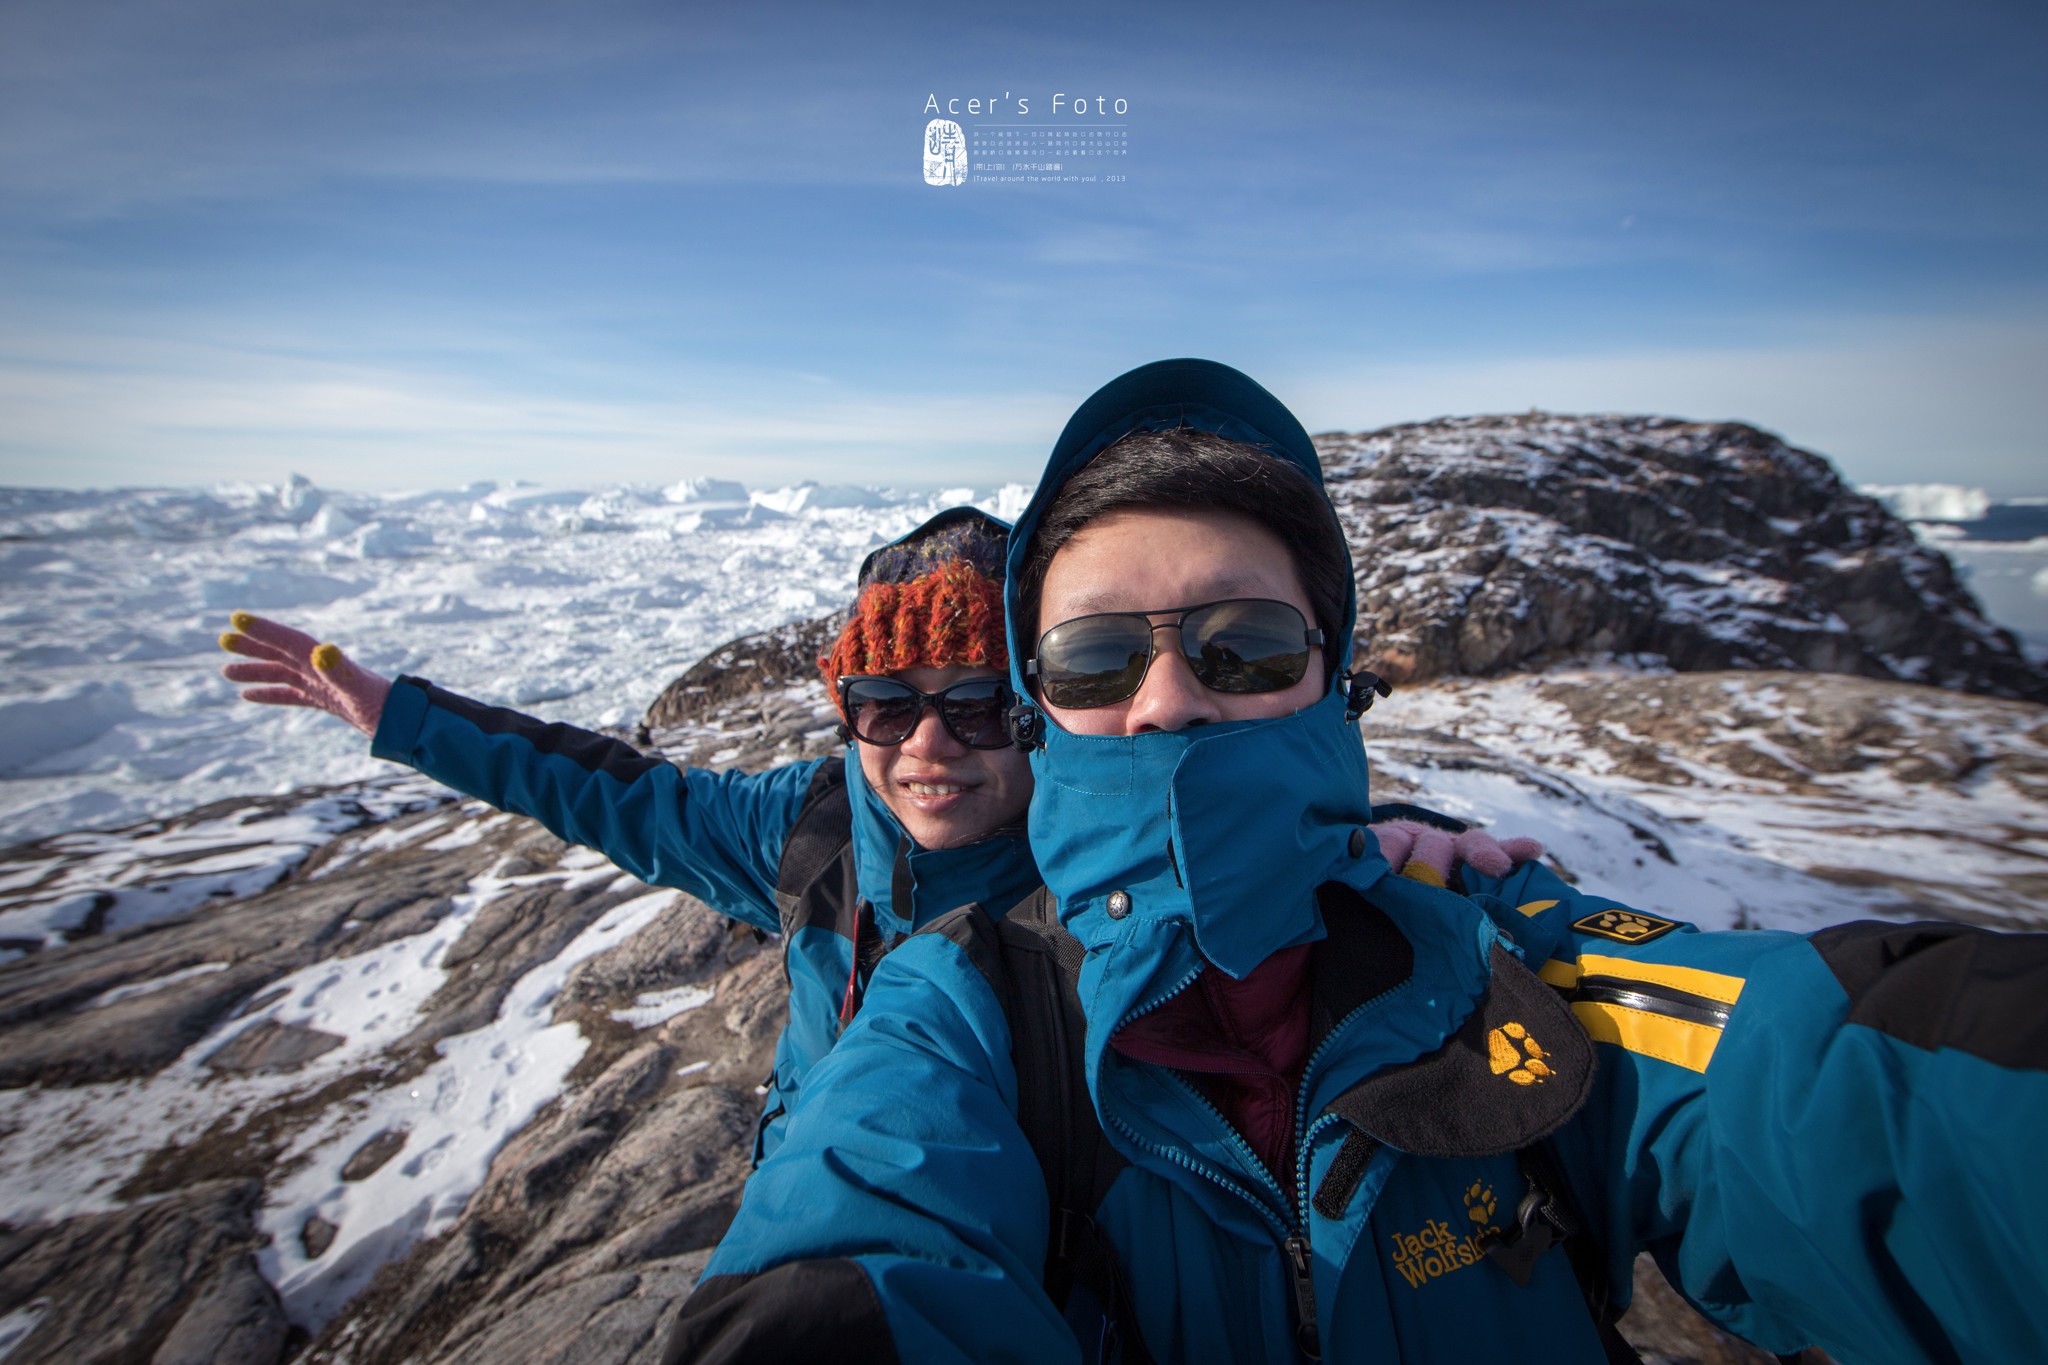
{"x":718,"y":835}
{"x":1827,"y":1140}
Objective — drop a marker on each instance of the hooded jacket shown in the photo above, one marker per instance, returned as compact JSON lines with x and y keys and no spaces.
{"x":720,"y":836}
{"x":1823,"y":1140}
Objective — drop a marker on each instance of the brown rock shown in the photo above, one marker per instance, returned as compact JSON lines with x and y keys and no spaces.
{"x":235,"y":1320}
{"x":371,"y":1156}
{"x":117,"y":1284}
{"x":1489,"y":544}
{"x":271,"y":1046}
{"x":316,"y":1236}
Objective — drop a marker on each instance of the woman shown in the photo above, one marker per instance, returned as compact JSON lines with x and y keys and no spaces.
{"x":926,"y":818}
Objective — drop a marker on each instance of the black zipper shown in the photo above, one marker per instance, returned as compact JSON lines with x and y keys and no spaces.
{"x":1294,"y":1229}
{"x":1651,"y":998}
{"x":1306,"y":1338}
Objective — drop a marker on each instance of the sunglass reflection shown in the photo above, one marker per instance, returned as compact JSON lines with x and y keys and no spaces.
{"x":1243,"y":645}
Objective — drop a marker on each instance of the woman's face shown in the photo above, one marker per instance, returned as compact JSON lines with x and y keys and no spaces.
{"x":1161,"y":559}
{"x":942,"y":792}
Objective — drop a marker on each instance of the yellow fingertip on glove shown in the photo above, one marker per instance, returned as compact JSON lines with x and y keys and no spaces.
{"x":242,"y":620}
{"x":228,"y":640}
{"x":1419,"y":871}
{"x":327,"y":658}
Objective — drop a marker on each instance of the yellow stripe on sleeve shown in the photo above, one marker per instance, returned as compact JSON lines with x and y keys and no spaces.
{"x":1535,"y":907}
{"x":1677,"y":1041}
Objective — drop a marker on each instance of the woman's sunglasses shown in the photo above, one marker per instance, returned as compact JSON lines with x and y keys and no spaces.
{"x":883,"y":711}
{"x":1244,"y":644}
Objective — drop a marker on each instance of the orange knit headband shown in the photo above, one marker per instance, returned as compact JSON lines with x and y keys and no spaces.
{"x":952,"y":615}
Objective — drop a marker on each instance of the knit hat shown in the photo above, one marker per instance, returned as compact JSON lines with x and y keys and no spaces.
{"x":930,"y":600}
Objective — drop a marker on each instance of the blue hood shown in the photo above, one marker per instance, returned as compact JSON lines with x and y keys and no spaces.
{"x":909,"y":885}
{"x":1226,"y":829}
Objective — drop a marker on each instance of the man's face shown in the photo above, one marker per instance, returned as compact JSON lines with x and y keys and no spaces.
{"x":1160,"y":558}
{"x":942,"y":792}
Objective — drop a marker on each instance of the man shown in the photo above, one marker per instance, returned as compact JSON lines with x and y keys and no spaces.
{"x":1351,"y":1112}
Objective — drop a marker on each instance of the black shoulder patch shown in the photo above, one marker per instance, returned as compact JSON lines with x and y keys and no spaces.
{"x":814,"y":881}
{"x":1937,"y":985}
{"x":1625,"y":926}
{"x":973,"y":930}
{"x":807,"y":1310}
{"x":591,"y":752}
{"x":1516,"y":1070}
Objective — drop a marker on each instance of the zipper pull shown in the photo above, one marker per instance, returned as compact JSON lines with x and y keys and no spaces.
{"x":1306,"y":1338}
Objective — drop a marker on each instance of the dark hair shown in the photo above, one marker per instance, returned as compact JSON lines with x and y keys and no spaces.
{"x":1191,"y":468}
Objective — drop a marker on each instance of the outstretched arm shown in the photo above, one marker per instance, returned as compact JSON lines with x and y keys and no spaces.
{"x":291,"y":668}
{"x":1827,"y":1140}
{"x":718,"y":836}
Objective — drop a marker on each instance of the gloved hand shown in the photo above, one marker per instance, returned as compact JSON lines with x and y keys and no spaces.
{"x":294,"y":669}
{"x":1428,"y":854}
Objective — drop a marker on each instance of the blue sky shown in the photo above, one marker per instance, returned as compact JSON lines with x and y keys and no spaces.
{"x":390,"y":245}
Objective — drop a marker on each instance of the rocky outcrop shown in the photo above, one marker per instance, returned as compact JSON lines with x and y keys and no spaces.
{"x":1486,"y":545}
{"x":593,"y":1219}
{"x":749,"y":670}
{"x":751,"y":704}
{"x":1491,"y":545}
{"x":168,"y":1281}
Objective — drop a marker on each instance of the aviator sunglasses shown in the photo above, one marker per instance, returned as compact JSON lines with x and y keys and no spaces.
{"x":884,"y":711}
{"x":1241,"y":644}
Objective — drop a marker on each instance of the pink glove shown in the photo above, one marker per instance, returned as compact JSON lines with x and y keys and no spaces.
{"x":1428,"y":854}
{"x":297,"y":670}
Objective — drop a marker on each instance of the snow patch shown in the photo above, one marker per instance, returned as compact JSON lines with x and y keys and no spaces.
{"x":658,"y":1007}
{"x":32,"y":729}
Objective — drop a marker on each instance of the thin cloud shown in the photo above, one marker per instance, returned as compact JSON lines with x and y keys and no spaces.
{"x":1891,"y":401}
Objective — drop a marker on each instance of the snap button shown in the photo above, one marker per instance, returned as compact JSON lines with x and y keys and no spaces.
{"x":1358,"y":843}
{"x":1119,"y":904}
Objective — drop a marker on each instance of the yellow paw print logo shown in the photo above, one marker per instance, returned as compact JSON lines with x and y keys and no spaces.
{"x":1625,"y":926}
{"x":1511,"y":1052}
{"x":1480,"y":1203}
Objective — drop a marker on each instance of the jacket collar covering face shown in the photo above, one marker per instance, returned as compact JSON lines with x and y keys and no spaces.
{"x":1226,"y":828}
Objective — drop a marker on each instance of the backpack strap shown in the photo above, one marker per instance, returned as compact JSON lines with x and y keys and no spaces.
{"x":817,"y":840}
{"x":1035,"y":970}
{"x":1547,"y":1217}
{"x":1047,"y":1037}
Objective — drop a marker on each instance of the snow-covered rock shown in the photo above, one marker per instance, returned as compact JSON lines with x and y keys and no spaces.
{"x":1489,"y":544}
